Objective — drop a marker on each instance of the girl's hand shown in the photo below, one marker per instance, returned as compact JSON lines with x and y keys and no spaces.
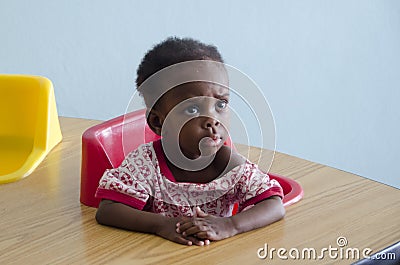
{"x":168,"y":231}
{"x":206,"y":227}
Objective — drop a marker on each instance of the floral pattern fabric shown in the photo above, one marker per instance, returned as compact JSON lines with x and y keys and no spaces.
{"x":143,"y":181}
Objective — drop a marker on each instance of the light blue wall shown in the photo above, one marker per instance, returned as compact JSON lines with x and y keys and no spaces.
{"x":330,"y":69}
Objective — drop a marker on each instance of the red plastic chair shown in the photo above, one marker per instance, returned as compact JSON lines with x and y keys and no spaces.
{"x":102,"y":148}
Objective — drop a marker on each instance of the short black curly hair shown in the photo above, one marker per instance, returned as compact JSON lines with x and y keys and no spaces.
{"x":174,"y":50}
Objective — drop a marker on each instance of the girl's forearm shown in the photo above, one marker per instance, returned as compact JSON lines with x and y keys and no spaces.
{"x":261,"y":214}
{"x":125,"y":217}
{"x":122,"y":216}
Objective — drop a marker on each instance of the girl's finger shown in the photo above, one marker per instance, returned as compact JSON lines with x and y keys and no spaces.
{"x":199,"y":212}
{"x":193,"y":230}
{"x":203,"y":235}
{"x":183,"y":241}
{"x":182,"y":227}
{"x":196,"y":241}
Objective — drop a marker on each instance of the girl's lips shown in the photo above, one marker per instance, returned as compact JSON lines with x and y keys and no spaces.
{"x":214,"y":140}
{"x":217,"y":141}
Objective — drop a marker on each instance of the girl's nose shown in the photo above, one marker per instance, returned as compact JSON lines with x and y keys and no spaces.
{"x":210,"y":123}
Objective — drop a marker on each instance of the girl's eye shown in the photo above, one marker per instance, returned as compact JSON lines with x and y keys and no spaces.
{"x":222,"y":104}
{"x":192,"y":110}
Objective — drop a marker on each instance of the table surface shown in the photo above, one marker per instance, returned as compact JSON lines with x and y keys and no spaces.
{"x":43,"y":222}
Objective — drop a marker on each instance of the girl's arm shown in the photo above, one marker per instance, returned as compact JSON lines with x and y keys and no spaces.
{"x":122,"y":216}
{"x":263,"y":213}
{"x":205,"y":226}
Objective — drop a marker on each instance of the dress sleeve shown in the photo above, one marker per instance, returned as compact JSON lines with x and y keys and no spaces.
{"x":255,"y":186}
{"x":128,"y":184}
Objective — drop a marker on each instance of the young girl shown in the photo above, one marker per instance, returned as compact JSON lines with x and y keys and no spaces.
{"x":186,"y":203}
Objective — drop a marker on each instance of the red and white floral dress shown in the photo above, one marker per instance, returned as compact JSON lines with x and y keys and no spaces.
{"x":144,"y":181}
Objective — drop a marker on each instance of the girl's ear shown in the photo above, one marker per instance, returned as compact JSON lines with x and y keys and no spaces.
{"x":154,"y":120}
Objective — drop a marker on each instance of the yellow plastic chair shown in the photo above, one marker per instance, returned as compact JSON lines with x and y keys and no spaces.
{"x":29,"y":126}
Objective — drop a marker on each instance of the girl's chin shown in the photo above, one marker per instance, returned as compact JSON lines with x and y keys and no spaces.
{"x":208,"y":150}
{"x":204,"y":152}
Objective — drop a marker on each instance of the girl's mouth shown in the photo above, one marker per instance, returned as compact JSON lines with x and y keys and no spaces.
{"x":214,"y":140}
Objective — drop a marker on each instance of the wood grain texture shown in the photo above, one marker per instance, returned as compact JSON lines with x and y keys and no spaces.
{"x":43,"y":222}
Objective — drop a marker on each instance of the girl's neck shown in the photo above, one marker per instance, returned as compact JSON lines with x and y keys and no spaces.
{"x":224,"y":161}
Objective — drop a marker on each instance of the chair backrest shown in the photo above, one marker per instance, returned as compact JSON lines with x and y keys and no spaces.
{"x":19,"y":99}
{"x":124,"y":134}
{"x":29,"y":125}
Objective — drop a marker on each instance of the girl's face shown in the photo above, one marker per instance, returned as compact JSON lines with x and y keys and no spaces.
{"x":196,"y":115}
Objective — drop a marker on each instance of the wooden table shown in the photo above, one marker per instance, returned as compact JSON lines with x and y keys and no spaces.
{"x":43,"y":222}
